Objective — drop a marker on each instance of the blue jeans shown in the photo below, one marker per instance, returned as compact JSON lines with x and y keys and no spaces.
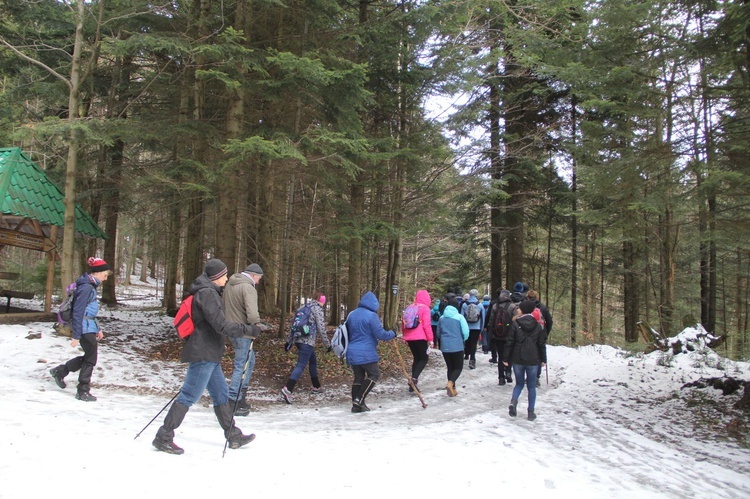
{"x":202,"y":375}
{"x":306,"y":355}
{"x":241,"y":348}
{"x":527,"y":375}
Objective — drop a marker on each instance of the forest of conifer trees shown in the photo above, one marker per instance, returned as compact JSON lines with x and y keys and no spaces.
{"x":597,"y":150}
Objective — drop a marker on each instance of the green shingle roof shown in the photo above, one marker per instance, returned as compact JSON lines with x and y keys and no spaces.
{"x":26,"y":191}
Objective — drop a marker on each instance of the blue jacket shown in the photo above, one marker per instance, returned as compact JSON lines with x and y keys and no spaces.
{"x":435,"y":309}
{"x":365,"y":329}
{"x":85,"y":306}
{"x":479,"y":325}
{"x":452,"y":330}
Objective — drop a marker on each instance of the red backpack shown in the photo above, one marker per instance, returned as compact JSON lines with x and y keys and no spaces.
{"x":183,"y":321}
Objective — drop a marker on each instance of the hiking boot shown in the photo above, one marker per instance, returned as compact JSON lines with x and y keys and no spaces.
{"x":316,"y":390}
{"x":466,"y":356}
{"x":472,"y":364}
{"x":501,"y":381}
{"x":243,"y":408}
{"x":57,"y":377}
{"x":286,"y":395}
{"x":85,"y":396}
{"x":538,"y":383}
{"x":531,"y":416}
{"x":240,"y":440}
{"x":493,"y":361}
{"x":411,"y":388}
{"x":451,"y":389}
{"x":512,"y":408}
{"x":168,"y":447}
{"x":508,"y":378}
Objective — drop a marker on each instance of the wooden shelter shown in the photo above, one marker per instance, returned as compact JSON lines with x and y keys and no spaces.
{"x":32,"y":210}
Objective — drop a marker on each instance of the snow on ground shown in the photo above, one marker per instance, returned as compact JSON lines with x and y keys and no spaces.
{"x":609,"y":425}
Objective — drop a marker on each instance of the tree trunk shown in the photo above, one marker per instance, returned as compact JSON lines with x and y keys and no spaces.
{"x":630,"y":292}
{"x":76,"y":80}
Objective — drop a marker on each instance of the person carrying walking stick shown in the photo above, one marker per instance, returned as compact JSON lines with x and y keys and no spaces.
{"x":203,"y":351}
{"x":241,"y":304}
{"x":418,"y":334}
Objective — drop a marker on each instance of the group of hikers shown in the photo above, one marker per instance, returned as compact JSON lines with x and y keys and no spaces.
{"x":513,"y":327}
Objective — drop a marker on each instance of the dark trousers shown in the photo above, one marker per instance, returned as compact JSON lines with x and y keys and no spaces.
{"x":454,"y":363}
{"x":370,"y":371}
{"x":419,"y":352}
{"x":470,"y":345}
{"x":84,"y":363}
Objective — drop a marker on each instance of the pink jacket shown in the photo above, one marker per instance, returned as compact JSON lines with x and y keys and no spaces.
{"x":424,"y":330}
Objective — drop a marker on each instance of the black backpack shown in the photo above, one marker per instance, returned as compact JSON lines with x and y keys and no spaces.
{"x":503,"y":320}
{"x":528,"y":353}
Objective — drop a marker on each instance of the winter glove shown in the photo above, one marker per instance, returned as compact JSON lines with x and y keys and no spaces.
{"x":251,"y":331}
{"x":264,"y":327}
{"x":329,"y":349}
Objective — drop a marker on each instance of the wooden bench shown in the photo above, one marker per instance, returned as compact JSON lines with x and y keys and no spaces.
{"x":7,"y":293}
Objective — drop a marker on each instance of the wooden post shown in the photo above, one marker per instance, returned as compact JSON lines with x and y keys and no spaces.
{"x":51,"y":254}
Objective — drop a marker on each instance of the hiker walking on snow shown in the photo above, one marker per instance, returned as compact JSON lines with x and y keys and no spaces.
{"x":474,"y":313}
{"x":452,"y":332}
{"x":501,"y":320}
{"x":85,"y":329}
{"x":305,"y":344}
{"x":546,"y":318}
{"x":526,"y":349}
{"x":241,"y":305}
{"x":203,"y":350}
{"x":365,"y":330}
{"x":420,"y":338}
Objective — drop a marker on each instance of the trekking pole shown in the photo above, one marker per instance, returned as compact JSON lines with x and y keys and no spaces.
{"x":408,"y":378}
{"x":546,"y":372}
{"x":157,"y":415}
{"x":237,"y":399}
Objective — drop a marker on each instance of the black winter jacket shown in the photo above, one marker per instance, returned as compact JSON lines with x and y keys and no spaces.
{"x":206,"y":344}
{"x":526,"y":329}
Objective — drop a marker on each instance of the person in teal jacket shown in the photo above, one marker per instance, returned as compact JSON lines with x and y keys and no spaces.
{"x":452,"y":332}
{"x":85,"y":330}
{"x":434,"y":319}
{"x":365,"y":330}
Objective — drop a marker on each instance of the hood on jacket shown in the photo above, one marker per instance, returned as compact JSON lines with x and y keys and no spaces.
{"x":527,"y":322}
{"x":370,"y":302}
{"x":238,"y":279}
{"x":202,"y":281}
{"x":423,"y":297}
{"x":504,"y":296}
{"x":450,"y":311}
{"x":87,"y":279}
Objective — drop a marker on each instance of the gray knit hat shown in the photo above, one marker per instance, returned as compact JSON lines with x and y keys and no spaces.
{"x":254,"y":268}
{"x":215,"y":269}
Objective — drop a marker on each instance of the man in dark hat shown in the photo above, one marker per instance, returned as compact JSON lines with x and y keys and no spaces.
{"x":241,"y":304}
{"x":203,"y":351}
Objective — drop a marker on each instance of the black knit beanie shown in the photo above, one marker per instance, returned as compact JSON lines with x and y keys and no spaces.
{"x":215,"y":269}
